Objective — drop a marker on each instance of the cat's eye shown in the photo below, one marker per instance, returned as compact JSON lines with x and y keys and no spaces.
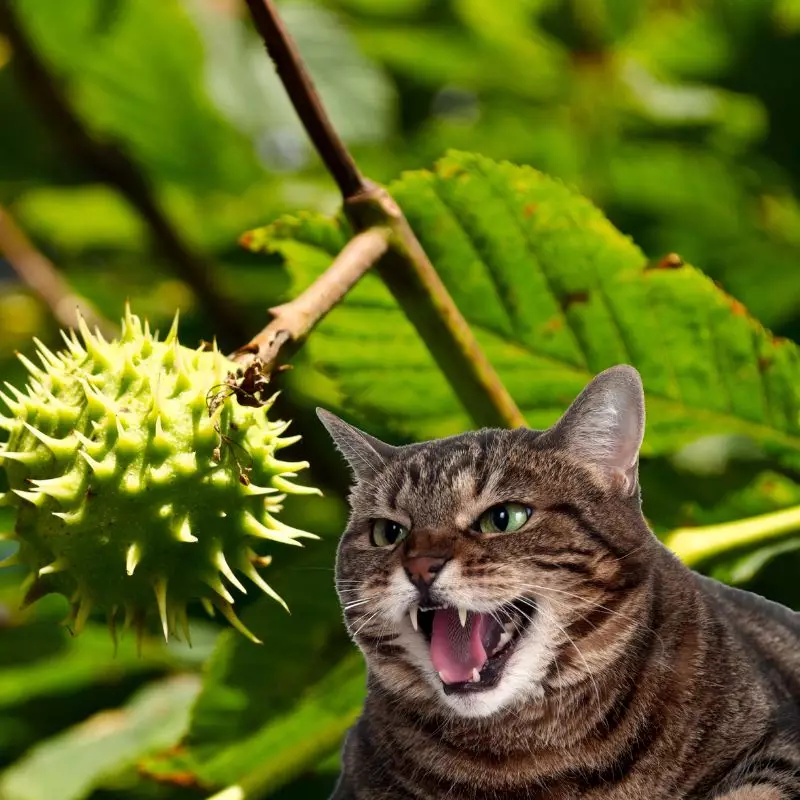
{"x":503,"y":518}
{"x":386,"y":532}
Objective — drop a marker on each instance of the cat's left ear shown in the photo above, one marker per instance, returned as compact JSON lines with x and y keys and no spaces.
{"x":365,"y":454}
{"x":604,"y":426}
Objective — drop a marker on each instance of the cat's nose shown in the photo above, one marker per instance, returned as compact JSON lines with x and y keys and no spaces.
{"x":422,"y":570}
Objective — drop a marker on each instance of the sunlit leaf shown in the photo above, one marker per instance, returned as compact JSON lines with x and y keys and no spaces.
{"x":555,"y":295}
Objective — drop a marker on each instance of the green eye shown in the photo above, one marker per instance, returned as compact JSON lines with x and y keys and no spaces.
{"x":503,"y":518}
{"x":385,"y":533}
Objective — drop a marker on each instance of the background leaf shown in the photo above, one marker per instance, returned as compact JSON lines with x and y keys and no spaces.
{"x":71,"y":764}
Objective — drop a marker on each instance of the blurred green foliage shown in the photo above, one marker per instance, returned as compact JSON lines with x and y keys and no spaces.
{"x":675,"y":117}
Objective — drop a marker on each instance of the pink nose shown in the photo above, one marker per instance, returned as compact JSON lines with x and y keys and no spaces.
{"x":422,"y":570}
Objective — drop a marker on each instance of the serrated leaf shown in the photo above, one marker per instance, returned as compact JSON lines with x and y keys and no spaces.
{"x":555,"y":294}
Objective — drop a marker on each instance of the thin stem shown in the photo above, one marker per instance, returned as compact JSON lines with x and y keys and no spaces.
{"x":415,"y":284}
{"x":300,"y":88}
{"x":112,"y":167}
{"x":406,"y":269}
{"x":294,"y":320}
{"x":37,"y":272}
{"x":695,"y":545}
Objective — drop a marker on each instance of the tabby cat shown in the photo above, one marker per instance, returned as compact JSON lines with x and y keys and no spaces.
{"x":527,"y":636}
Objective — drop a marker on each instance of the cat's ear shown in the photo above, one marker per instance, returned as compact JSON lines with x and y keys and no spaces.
{"x":365,"y":454}
{"x":605,"y":425}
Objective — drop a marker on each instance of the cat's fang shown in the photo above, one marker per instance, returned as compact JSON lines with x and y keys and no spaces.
{"x":476,"y":676}
{"x":412,"y":613}
{"x":462,"y":615}
{"x":505,"y":638}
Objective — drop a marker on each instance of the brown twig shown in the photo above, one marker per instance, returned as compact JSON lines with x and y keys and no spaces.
{"x":297,"y":82}
{"x":406,"y":269}
{"x":294,"y":320}
{"x":37,"y":272}
{"x":109,"y":164}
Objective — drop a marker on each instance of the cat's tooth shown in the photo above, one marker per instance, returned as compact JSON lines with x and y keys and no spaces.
{"x":441,"y":677}
{"x":412,"y":613}
{"x":476,"y":676}
{"x":462,"y":615}
{"x":505,"y":638}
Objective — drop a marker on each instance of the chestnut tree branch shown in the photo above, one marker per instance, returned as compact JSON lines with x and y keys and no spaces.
{"x":405,"y":268}
{"x":297,"y":82}
{"x":38,"y":273}
{"x":294,"y":320}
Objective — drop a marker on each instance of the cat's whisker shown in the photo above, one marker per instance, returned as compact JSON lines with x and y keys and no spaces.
{"x":635,"y":550}
{"x":638,"y":625}
{"x":550,"y":617}
{"x":582,"y":599}
{"x":366,"y":622}
{"x":355,"y":603}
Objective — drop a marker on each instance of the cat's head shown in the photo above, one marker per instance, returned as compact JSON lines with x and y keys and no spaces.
{"x":476,"y":571}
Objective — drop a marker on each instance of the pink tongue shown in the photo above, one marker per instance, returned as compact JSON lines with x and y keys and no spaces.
{"x":457,"y":651}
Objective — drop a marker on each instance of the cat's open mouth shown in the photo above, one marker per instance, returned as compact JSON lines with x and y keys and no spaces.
{"x":469,"y":649}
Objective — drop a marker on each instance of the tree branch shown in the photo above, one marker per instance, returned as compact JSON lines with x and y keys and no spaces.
{"x":294,"y":320}
{"x":37,"y":271}
{"x":297,"y":82}
{"x":113,"y":168}
{"x":406,"y":269}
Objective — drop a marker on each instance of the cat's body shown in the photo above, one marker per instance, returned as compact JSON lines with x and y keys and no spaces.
{"x":605,"y":668}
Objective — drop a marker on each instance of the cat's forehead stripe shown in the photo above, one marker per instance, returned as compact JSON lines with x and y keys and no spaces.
{"x":453,"y":472}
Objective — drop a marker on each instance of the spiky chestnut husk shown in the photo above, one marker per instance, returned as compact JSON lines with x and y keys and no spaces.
{"x":140,"y":480}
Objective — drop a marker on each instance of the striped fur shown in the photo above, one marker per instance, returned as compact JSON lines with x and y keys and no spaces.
{"x":636,"y":677}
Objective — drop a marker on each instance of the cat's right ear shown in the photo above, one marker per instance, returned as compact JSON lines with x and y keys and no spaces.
{"x":365,"y":454}
{"x":604,"y":426}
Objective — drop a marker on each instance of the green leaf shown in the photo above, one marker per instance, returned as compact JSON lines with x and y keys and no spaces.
{"x":555,"y":294}
{"x":298,"y":740}
{"x":134,"y":72}
{"x":41,"y":659}
{"x":436,"y":56}
{"x":299,"y":648}
{"x":744,"y":569}
{"x":69,"y":765}
{"x":247,"y":90}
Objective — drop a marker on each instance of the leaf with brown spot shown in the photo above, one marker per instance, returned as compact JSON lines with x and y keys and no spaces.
{"x":669,"y":261}
{"x":512,"y":273}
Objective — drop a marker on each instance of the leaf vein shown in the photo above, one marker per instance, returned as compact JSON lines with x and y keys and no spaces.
{"x":538,"y":262}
